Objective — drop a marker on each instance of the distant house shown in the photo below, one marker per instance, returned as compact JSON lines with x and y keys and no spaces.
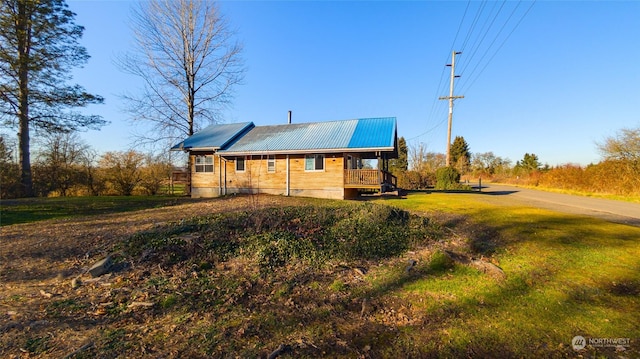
{"x":320,"y":159}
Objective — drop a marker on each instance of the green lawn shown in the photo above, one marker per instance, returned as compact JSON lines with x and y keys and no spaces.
{"x":28,"y":210}
{"x":565,"y":276}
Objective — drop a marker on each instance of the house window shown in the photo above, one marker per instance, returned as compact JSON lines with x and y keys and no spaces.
{"x":204,"y":163}
{"x":271,"y":164}
{"x":240,"y":164}
{"x":314,"y":163}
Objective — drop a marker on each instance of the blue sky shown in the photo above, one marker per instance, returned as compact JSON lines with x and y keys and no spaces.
{"x":550,"y":77}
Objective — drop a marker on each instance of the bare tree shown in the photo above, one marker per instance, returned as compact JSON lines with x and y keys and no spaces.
{"x":155,"y":173}
{"x":9,"y":169}
{"x":60,"y":163}
{"x":189,"y":62}
{"x":624,"y":147}
{"x":488,"y":163}
{"x":421,"y":160}
{"x":123,"y":170}
{"x":94,"y":177}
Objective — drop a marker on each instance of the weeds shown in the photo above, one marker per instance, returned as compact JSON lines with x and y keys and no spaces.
{"x":440,"y":262}
{"x":65,"y":307}
{"x":169,"y":301}
{"x":274,"y":237}
{"x":37,"y":345}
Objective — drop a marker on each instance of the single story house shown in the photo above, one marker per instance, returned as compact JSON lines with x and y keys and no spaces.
{"x":319,"y":159}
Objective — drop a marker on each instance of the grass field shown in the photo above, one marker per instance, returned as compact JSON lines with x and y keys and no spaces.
{"x":27,"y":210}
{"x":565,"y":276}
{"x":241,"y":276}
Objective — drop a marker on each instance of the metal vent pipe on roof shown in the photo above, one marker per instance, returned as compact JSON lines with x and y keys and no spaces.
{"x":289,"y":117}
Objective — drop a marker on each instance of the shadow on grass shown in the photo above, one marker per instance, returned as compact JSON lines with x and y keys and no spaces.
{"x":382,"y":330}
{"x":30,"y":210}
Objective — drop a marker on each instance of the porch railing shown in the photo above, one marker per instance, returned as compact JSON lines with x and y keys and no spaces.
{"x":390,"y":179}
{"x":369,"y":178}
{"x":362,"y":177}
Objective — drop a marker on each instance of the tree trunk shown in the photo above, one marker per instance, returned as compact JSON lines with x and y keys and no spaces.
{"x":24,"y":47}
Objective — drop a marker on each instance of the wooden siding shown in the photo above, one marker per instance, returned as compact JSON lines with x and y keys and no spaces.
{"x":333,"y":181}
{"x":330,"y":177}
{"x":256,"y":177}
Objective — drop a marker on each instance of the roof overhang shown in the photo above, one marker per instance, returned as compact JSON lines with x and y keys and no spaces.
{"x":305,"y":151}
{"x":198,"y":149}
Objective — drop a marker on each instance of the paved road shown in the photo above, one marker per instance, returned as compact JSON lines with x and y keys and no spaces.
{"x":611,"y":210}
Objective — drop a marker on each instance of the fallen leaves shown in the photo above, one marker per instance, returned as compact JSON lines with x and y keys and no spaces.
{"x":140,"y":304}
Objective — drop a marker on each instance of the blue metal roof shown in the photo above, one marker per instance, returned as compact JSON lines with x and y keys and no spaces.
{"x":214,"y":137}
{"x":364,"y":134}
{"x":374,"y":132}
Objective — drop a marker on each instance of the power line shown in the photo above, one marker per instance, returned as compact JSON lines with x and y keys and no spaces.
{"x":475,"y":44}
{"x":459,"y":27}
{"x":438,"y":88}
{"x":499,"y":47}
{"x":427,"y":131}
{"x":494,"y":40}
{"x":486,"y":32}
{"x":473,"y":24}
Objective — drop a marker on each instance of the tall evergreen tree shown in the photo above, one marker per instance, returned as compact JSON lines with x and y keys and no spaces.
{"x":460,"y":154}
{"x":38,"y":48}
{"x":529,"y":163}
{"x":400,"y":164}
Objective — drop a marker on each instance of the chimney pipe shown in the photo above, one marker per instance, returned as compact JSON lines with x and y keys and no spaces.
{"x":289,"y":117}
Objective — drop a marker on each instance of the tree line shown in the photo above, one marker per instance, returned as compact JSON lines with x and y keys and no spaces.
{"x":66,"y":166}
{"x":617,"y":173}
{"x":185,"y":53}
{"x":188,"y":58}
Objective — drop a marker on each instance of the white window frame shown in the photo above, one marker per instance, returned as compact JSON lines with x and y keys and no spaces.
{"x":315,"y":163}
{"x":242,"y":160}
{"x":204,"y":164}
{"x":271,"y":164}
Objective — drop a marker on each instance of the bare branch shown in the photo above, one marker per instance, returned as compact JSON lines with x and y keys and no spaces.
{"x":189,"y":62}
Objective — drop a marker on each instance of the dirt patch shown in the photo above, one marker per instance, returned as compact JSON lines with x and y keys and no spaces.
{"x":39,"y":261}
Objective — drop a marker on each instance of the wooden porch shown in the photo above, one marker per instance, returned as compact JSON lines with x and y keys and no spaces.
{"x":370,"y":179}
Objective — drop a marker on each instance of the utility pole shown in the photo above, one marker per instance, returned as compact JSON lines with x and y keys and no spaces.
{"x":451,"y":98}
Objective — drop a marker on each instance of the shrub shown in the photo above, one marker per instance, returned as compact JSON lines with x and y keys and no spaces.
{"x":276,"y":249}
{"x":416,"y":180}
{"x":615,"y":177}
{"x":373,"y":232}
{"x":274,"y":237}
{"x":447,"y":178}
{"x":440,"y":262}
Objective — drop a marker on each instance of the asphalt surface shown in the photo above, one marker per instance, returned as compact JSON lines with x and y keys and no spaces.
{"x":610,"y":210}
